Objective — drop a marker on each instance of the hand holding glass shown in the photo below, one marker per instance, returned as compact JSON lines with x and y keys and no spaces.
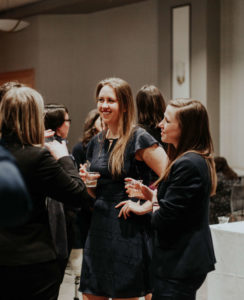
{"x":132,"y":187}
{"x":90,"y":178}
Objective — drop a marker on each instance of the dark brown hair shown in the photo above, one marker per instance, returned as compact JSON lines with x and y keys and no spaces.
{"x":223,"y":167}
{"x":150,"y":106}
{"x":54,"y":115}
{"x":89,"y":126}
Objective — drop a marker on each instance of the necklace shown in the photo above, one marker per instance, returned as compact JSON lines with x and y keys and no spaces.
{"x":111,"y":138}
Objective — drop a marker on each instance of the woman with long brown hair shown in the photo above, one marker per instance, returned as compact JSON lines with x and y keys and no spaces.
{"x":183,"y":249}
{"x":117,"y":252}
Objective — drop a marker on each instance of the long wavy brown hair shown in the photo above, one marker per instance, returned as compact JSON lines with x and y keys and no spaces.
{"x":126,"y":120}
{"x":195,"y":135}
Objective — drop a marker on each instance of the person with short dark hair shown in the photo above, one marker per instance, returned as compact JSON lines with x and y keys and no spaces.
{"x":61,"y":216}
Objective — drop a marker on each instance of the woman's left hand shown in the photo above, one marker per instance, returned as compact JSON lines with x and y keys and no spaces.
{"x":128,"y":207}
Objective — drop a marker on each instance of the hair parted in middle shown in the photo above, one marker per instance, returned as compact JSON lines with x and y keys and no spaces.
{"x":21,"y":115}
{"x":126,"y":120}
{"x":195,"y":134}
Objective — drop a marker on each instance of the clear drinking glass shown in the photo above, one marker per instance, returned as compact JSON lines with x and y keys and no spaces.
{"x":133,"y":191}
{"x":91,"y":179}
{"x":223,"y":219}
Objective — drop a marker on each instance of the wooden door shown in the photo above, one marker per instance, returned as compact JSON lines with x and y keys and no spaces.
{"x":26,"y":77}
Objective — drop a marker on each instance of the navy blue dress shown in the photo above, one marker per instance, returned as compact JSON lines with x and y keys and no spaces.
{"x":117,"y":254}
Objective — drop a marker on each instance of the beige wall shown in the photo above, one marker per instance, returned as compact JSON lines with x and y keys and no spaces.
{"x":204,"y":55}
{"x":72,"y":53}
{"x":232,"y":82}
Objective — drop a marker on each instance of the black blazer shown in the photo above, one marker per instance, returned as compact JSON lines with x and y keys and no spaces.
{"x":44,"y":176}
{"x":183,"y":243}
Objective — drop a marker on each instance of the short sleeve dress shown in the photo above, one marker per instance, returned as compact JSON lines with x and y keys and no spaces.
{"x":117,"y":254}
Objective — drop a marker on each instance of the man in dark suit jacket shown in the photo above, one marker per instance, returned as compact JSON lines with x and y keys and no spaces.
{"x":15,"y":203}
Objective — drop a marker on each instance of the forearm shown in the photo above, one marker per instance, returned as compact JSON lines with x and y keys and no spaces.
{"x":146,"y":207}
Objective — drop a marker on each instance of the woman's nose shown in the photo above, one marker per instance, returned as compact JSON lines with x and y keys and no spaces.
{"x":105,"y":104}
{"x":160,"y":124}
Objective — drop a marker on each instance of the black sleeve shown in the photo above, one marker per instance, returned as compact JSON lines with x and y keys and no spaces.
{"x":141,"y":140}
{"x":180,"y":203}
{"x":61,"y":180}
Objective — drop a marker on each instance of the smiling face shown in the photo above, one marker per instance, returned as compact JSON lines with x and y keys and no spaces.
{"x":170,"y":127}
{"x":108,"y":106}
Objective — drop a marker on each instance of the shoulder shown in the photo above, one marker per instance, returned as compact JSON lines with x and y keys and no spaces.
{"x":31,"y":155}
{"x":192,"y":163}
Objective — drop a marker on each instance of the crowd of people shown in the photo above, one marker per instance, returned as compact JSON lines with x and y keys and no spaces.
{"x":155,"y":243}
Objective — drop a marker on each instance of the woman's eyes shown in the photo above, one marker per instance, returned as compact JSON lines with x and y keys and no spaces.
{"x":108,"y":100}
